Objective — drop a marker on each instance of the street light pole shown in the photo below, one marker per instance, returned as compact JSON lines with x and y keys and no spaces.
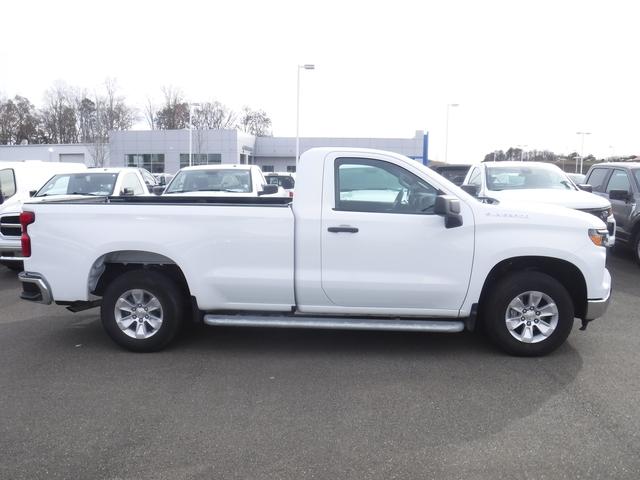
{"x":306,"y":66}
{"x":582,"y":149}
{"x":446,"y":132}
{"x":522,"y":147}
{"x":191,"y":105}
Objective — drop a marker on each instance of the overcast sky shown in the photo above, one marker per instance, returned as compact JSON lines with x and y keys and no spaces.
{"x":524,"y":72}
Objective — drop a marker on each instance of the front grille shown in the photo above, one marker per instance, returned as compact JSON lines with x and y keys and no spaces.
{"x":10,"y":226}
{"x":601,"y":213}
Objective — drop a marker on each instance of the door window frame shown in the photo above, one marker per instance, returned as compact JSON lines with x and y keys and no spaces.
{"x":373,"y":162}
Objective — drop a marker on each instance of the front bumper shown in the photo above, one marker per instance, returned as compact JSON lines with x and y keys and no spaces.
{"x":35,"y":288}
{"x":597,"y":308}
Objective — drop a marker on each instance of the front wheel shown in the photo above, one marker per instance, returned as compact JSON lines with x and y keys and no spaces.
{"x":528,"y":314}
{"x":141,"y":310}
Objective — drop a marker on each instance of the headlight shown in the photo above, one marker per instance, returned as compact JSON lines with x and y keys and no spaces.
{"x":599,"y":237}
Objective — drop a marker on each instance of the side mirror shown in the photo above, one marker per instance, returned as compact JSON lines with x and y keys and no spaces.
{"x":127,"y":192}
{"x":449,"y":208}
{"x":32,"y":193}
{"x":586,"y":187}
{"x":269,"y":189}
{"x":158,"y":190}
{"x":470,"y":189}
{"x":622,"y":195}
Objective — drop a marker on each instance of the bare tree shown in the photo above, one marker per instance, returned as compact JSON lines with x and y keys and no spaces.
{"x":59,"y":114}
{"x":255,"y":122}
{"x":150,"y":114}
{"x":214,"y":115}
{"x":174,"y":113}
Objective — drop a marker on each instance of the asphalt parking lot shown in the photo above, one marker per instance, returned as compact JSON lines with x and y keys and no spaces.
{"x":237,"y":403}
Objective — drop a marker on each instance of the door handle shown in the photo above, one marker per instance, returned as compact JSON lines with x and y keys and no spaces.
{"x":342,"y":229}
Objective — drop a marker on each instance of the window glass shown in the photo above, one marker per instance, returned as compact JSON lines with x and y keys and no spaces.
{"x":148,"y":178}
{"x":227,"y":180}
{"x":637,"y":175}
{"x":200,"y":159}
{"x":619,"y":181}
{"x":7,"y":183}
{"x":132,"y":183}
{"x":268,"y":168}
{"x":153,"y":162}
{"x":291,"y":169}
{"x":284,"y":181}
{"x":475,"y":179}
{"x":597,"y":178}
{"x":376,"y":186}
{"x":92,"y":183}
{"x":527,"y":177}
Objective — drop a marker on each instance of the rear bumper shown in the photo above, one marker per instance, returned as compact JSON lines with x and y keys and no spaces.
{"x":10,"y":250}
{"x":35,"y":288}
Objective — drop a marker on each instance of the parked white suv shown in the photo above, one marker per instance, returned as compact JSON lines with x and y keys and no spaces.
{"x":537,"y":182}
{"x":18,"y":180}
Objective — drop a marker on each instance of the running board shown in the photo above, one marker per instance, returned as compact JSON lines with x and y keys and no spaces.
{"x":337,"y":323}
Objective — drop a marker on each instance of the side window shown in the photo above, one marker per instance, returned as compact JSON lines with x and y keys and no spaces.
{"x":597,"y":178}
{"x":474,"y":178}
{"x":132,"y":184}
{"x":364,"y":185}
{"x":619,"y":181}
{"x":7,"y":183}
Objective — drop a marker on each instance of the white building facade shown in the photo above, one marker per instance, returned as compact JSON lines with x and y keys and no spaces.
{"x":166,"y":151}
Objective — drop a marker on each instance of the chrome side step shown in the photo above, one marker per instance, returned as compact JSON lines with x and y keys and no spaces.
{"x":337,"y":323}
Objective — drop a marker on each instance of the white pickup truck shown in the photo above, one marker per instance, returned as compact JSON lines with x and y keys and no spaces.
{"x":372,"y":240}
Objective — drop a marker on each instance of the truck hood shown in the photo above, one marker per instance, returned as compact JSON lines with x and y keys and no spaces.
{"x":576,"y":199}
{"x":541,"y":214}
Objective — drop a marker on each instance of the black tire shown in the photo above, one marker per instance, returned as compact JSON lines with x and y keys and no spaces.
{"x":14,"y":266}
{"x":510,"y":287}
{"x":167,"y":292}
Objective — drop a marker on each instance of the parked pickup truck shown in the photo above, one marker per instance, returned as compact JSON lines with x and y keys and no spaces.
{"x":371,"y":240}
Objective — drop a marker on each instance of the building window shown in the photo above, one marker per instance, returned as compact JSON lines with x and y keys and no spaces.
{"x":291,"y":169}
{"x":153,"y":162}
{"x":200,"y":159}
{"x":268,"y":168}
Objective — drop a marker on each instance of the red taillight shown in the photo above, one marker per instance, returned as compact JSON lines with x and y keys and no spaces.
{"x":291,"y":194}
{"x":26,"y":219}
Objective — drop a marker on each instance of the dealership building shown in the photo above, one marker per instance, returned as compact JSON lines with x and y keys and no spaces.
{"x":161,"y":151}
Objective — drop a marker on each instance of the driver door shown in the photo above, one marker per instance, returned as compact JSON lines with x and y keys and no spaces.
{"x":383,"y":248}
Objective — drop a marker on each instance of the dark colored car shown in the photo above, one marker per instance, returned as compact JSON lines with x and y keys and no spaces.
{"x":620,"y":183}
{"x":453,"y":173}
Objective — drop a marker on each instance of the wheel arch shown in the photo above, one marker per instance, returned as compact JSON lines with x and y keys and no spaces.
{"x":113,"y":264}
{"x":564,"y":271}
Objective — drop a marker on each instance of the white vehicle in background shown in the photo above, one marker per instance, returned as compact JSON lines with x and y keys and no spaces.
{"x":95,"y":182}
{"x":230,"y":180}
{"x":18,"y":181}
{"x":536,"y":182}
{"x":112,"y":182}
{"x":286,"y":180}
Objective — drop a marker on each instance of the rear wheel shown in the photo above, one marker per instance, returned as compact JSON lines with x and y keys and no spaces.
{"x":528,"y":314}
{"x":142,"y":310}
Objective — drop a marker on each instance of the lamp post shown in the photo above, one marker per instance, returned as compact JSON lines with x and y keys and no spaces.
{"x":446,"y":133}
{"x":191,"y":105}
{"x":306,"y":66}
{"x":521,"y":147}
{"x":582,"y":149}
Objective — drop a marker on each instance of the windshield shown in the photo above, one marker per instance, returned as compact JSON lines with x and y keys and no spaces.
{"x":526,"y":177}
{"x":7,"y":184}
{"x":228,"y":180}
{"x":79,"y":184}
